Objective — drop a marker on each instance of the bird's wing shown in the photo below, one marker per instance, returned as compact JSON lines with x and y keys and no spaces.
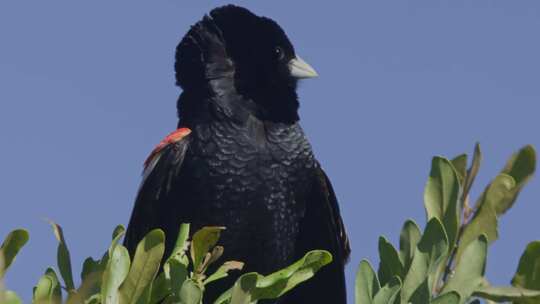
{"x":161,"y":171}
{"x":339,"y":232}
{"x":323,"y":228}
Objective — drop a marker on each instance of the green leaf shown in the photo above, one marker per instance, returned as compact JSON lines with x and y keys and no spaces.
{"x":43,"y":290}
{"x":521,"y":167}
{"x":528,"y":269}
{"x":104,"y":260}
{"x":190,"y":293}
{"x":172,"y":279}
{"x":145,"y":296}
{"x":175,"y":270}
{"x":63,"y":257}
{"x":278,"y":283}
{"x":183,"y":236}
{"x":508,"y":294}
{"x":460,"y":164}
{"x":177,"y":273}
{"x":431,"y":251}
{"x":408,"y":239}
{"x":161,"y":288}
{"x":485,"y":218}
{"x":171,"y":300}
{"x":56,"y":296}
{"x":216,"y":253}
{"x":91,"y":277}
{"x":115,"y":273}
{"x":224,"y":298}
{"x":388,"y":293}
{"x":114,"y":269}
{"x":447,"y":298}
{"x":223,"y":271}
{"x":441,"y":197}
{"x":180,"y":248}
{"x":203,"y":240}
{"x":11,"y":246}
{"x":521,"y":164}
{"x":118,"y":232}
{"x":94,"y":299}
{"x":9,"y":297}
{"x":89,"y":266}
{"x":241,"y":292}
{"x":469,"y":271}
{"x":48,"y":290}
{"x":366,"y":285}
{"x":473,"y":170}
{"x":144,"y":267}
{"x":421,"y":294}
{"x":390,"y":264}
{"x":499,"y":196}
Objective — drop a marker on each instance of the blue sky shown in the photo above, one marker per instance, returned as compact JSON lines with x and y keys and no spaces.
{"x":87,"y":89}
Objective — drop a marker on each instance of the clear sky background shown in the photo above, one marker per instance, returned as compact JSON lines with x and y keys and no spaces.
{"x":87,"y":89}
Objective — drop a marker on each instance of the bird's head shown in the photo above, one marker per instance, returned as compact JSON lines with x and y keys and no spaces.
{"x":254,"y":51}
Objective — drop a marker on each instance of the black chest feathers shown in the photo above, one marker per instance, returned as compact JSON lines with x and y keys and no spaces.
{"x":252,"y":179}
{"x":236,"y":165}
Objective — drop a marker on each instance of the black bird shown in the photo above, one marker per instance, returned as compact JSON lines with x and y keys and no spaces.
{"x":240,"y":159}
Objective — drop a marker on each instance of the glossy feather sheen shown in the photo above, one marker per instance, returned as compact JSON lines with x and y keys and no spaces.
{"x":246,"y":164}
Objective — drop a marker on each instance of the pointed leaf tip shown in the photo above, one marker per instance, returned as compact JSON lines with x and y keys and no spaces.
{"x":202,"y":241}
{"x":390,"y":263}
{"x":367,"y":284}
{"x":441,"y":196}
{"x":144,"y":267}
{"x":11,"y":246}
{"x":63,"y":256}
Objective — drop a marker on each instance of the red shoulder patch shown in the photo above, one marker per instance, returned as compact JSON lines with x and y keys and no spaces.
{"x":172,"y":138}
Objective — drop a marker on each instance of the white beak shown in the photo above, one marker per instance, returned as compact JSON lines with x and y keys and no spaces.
{"x":300,"y":69}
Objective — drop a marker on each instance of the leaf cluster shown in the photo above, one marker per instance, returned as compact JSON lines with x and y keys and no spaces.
{"x":151,"y":278}
{"x":446,"y":262}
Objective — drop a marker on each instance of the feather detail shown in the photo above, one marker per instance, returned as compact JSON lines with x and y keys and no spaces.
{"x":172,"y":138}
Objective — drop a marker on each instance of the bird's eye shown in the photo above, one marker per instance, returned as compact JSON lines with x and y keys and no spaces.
{"x":279,"y":53}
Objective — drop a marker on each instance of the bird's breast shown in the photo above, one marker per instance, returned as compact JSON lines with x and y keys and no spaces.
{"x":256,"y":189}
{"x":234,"y":161}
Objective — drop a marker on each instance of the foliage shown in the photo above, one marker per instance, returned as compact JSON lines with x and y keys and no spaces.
{"x":446,"y":262}
{"x":443,"y":264}
{"x":115,"y":278}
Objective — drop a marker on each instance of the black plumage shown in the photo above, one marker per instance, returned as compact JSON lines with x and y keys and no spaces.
{"x":246,"y":164}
